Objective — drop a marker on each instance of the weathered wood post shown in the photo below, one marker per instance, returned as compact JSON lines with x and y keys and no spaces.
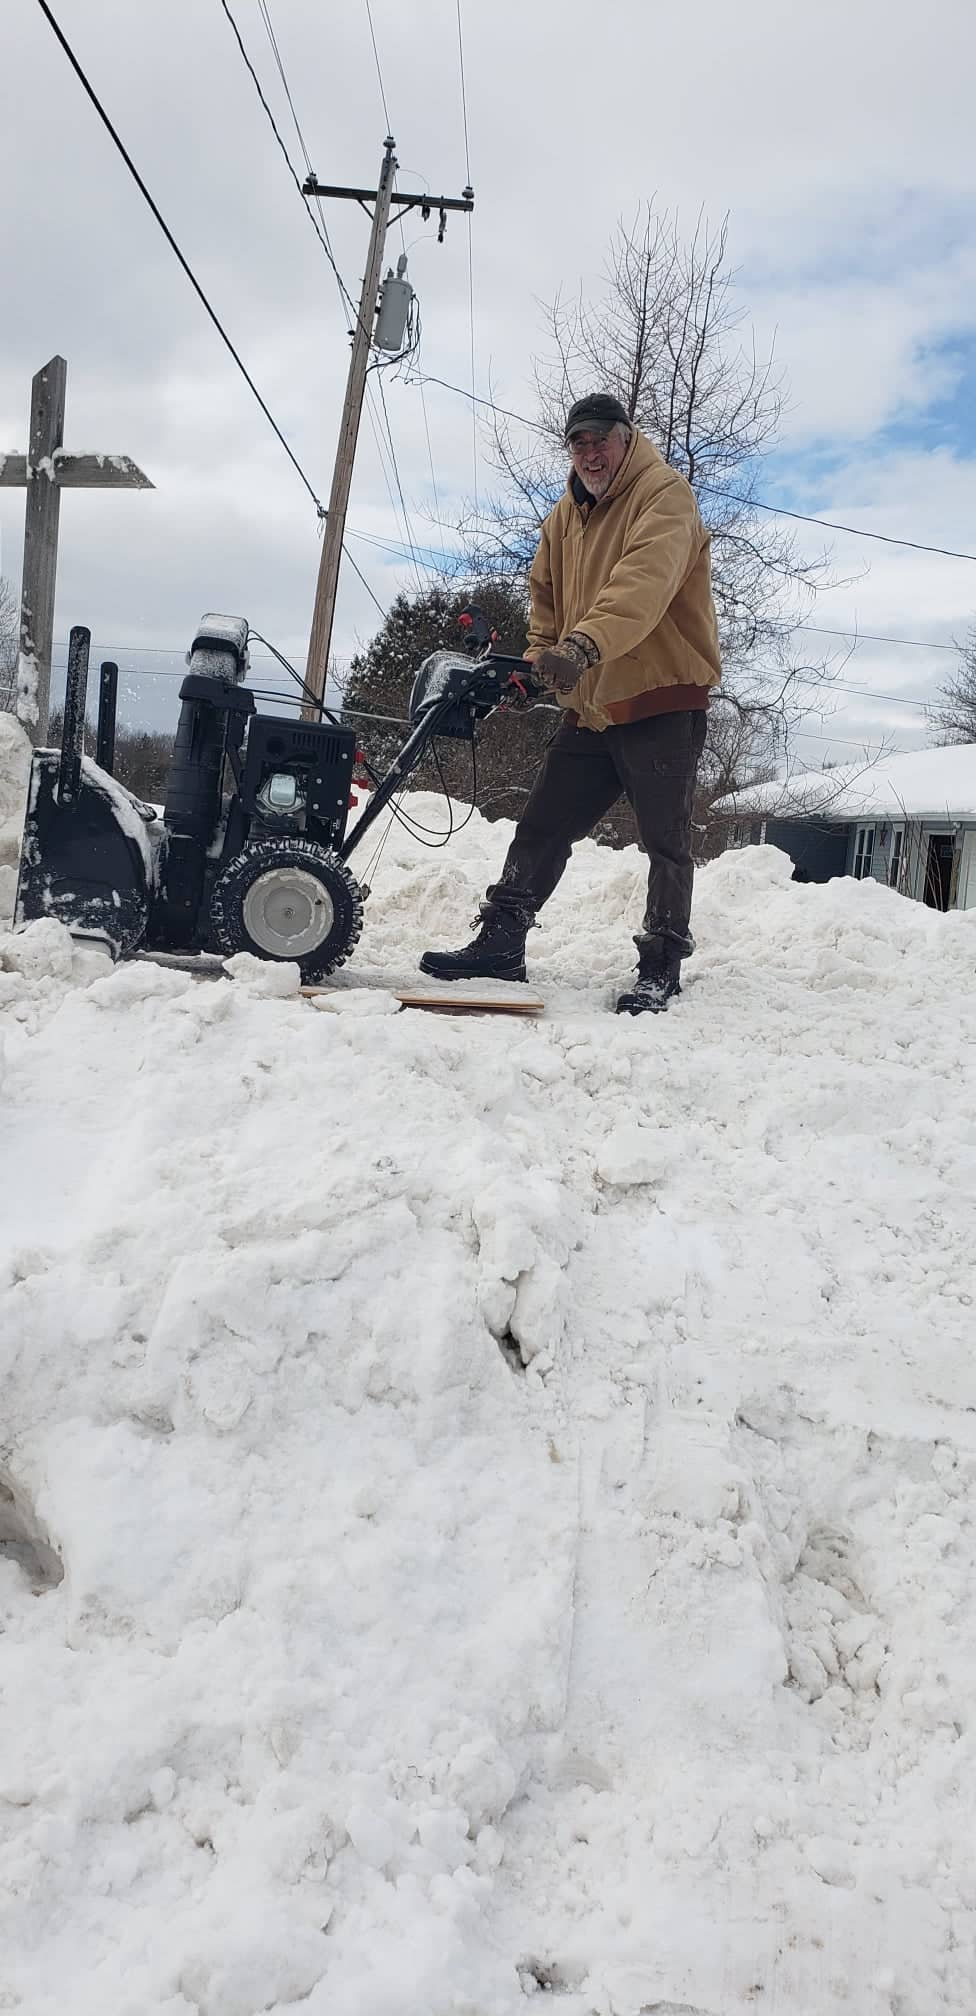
{"x":46,"y":470}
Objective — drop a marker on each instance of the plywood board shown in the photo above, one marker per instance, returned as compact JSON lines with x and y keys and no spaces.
{"x":518,"y":1003}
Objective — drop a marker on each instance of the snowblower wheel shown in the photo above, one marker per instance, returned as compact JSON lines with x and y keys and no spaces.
{"x":288,"y":899}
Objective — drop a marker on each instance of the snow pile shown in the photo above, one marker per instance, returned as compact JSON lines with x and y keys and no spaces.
{"x":15,"y":756}
{"x":487,"y":1507}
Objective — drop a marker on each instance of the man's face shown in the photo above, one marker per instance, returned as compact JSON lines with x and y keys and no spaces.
{"x":597,"y":457}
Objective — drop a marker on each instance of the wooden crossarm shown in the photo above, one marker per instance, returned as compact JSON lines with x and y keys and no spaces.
{"x":77,"y":472}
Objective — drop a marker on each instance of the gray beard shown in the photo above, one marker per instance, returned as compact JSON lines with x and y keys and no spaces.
{"x":596,"y":485}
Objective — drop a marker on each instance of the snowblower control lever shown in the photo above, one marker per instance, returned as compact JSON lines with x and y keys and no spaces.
{"x":450,"y":695}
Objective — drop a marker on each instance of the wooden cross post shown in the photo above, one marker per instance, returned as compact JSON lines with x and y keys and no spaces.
{"x":46,"y":470}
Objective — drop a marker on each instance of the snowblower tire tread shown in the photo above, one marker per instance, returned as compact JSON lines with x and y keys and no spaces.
{"x":229,"y":932}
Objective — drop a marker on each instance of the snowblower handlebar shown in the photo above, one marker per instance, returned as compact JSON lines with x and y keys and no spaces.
{"x":450,"y":694}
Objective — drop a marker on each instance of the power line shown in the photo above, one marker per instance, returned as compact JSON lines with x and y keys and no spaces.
{"x":265,"y":13}
{"x":164,"y":650}
{"x":396,"y":472}
{"x":868,"y":693}
{"x":386,"y":109}
{"x":164,"y":227}
{"x":474,"y":417}
{"x":194,"y":282}
{"x":752,"y":503}
{"x":467,"y":167}
{"x":178,"y":651}
{"x":374,"y":598}
{"x":506,"y":411}
{"x":379,"y":73}
{"x":464,"y":96}
{"x":872,"y":637}
{"x":385,"y":423}
{"x":320,"y":233}
{"x":832,"y":525}
{"x":344,"y":295}
{"x":319,"y":228}
{"x":803,"y":735}
{"x":430,"y":451}
{"x":384,"y":451}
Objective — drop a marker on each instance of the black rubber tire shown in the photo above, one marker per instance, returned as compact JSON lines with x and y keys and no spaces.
{"x":230,"y":891}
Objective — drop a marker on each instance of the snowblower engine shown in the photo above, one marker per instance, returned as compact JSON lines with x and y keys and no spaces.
{"x":250,"y":853}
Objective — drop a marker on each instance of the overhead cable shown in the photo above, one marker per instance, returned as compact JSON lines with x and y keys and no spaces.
{"x":752,"y":503}
{"x":194,"y":282}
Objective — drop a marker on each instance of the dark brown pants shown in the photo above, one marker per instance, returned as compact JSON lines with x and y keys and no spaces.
{"x":653,"y":764}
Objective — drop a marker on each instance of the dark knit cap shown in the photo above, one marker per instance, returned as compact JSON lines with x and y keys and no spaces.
{"x":595,"y":414}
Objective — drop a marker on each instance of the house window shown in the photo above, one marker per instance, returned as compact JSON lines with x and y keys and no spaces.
{"x":895,"y":858}
{"x":863,"y":853}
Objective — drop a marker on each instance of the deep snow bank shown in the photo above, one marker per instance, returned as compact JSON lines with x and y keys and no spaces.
{"x":15,"y":754}
{"x":514,"y":1484}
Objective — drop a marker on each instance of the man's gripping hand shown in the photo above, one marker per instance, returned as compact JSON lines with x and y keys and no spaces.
{"x":562,"y":668}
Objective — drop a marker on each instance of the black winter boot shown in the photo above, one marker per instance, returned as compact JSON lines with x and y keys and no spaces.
{"x":658,"y":981}
{"x":497,"y":953}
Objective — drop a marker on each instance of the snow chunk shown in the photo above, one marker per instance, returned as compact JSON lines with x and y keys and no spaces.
{"x":357,"y":1001}
{"x":270,"y":979}
{"x":139,"y":980}
{"x":41,"y":951}
{"x":15,"y":761}
{"x":28,"y":674}
{"x":744,"y":875}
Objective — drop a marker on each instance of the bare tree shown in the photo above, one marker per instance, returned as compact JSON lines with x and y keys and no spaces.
{"x":954,"y":718}
{"x":668,"y":339}
{"x":9,"y":640}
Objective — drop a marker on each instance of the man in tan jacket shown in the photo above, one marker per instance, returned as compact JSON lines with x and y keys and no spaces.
{"x":623,"y":631}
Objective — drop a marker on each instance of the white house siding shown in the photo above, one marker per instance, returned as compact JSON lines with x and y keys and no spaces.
{"x":885,"y":854}
{"x":912,"y":860}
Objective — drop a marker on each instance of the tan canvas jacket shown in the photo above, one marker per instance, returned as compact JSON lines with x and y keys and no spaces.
{"x":631,"y":573}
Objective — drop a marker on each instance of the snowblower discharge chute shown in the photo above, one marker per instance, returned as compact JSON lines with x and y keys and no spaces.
{"x":250,"y":851}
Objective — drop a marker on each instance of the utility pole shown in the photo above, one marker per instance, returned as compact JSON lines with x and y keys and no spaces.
{"x":382,"y":198}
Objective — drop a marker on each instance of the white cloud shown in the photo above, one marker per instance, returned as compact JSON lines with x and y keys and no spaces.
{"x":841,"y":142}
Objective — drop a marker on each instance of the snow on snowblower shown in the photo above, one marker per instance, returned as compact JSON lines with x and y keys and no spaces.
{"x":251,"y":851}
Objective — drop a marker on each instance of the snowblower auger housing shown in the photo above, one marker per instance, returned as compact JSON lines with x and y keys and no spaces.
{"x":251,"y":851}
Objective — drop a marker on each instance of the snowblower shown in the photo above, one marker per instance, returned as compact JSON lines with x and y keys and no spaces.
{"x":250,"y":852}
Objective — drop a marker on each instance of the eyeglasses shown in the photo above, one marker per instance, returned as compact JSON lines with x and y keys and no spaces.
{"x":581,"y":442}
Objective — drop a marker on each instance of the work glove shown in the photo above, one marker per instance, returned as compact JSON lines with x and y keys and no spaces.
{"x":561,"y":669}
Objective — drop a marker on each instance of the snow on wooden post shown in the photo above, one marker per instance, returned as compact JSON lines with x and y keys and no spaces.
{"x":46,"y":470}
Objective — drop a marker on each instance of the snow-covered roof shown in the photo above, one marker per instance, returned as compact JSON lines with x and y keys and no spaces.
{"x":925,"y":784}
